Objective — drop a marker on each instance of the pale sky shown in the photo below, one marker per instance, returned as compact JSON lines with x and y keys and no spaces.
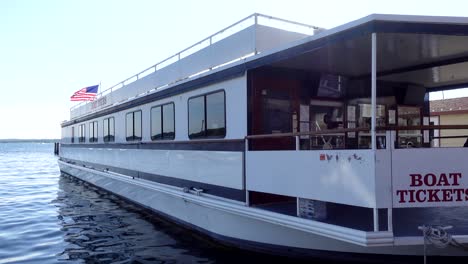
{"x":51,"y":48}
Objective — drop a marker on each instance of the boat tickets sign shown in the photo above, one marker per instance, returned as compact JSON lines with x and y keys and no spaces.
{"x":429,"y":177}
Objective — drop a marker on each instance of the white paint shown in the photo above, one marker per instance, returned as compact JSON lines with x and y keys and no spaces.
{"x":231,"y":219}
{"x":423,"y":161}
{"x":236,"y":113}
{"x":268,"y":38}
{"x":346,"y":178}
{"x":383,"y":177}
{"x":212,"y":167}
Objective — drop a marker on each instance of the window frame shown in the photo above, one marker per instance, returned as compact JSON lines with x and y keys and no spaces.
{"x":161,"y":106}
{"x":133,"y":137}
{"x":204,"y":95}
{"x":107,"y":138}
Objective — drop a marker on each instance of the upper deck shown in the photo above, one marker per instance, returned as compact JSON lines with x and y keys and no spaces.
{"x":248,"y":37}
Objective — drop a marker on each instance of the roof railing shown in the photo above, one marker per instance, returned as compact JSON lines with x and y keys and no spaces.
{"x":179,"y":55}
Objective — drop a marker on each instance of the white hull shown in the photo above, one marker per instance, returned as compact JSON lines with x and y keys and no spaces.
{"x":234,"y":222}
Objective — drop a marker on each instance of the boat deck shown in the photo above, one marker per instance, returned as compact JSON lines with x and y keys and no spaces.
{"x":405,"y":220}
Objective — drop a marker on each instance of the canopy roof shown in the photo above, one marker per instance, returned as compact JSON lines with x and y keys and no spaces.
{"x":427,"y":51}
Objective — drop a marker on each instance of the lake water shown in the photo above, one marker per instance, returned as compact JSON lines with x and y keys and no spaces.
{"x":49,"y":218}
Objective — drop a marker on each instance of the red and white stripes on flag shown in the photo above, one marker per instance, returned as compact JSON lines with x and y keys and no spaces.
{"x":85,"y":94}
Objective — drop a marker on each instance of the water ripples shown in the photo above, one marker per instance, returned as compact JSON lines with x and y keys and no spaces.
{"x":49,"y":218}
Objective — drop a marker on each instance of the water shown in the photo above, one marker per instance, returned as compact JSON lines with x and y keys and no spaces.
{"x":49,"y":218}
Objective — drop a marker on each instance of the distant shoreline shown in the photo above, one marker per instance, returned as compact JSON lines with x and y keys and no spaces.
{"x":28,"y":140}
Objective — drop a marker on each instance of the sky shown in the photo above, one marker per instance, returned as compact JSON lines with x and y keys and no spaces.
{"x":51,"y":48}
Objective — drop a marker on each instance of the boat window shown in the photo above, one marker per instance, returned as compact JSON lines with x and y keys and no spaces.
{"x":162,"y":122}
{"x":72,"y":134}
{"x":168,"y":121}
{"x":93,"y":133}
{"x":207,"y":115}
{"x":156,"y":124}
{"x":133,"y":126}
{"x":109,"y":130}
{"x":81,"y":133}
{"x":215,"y":115}
{"x":196,"y":113}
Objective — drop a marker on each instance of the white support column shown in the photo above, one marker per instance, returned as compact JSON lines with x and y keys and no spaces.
{"x":376,"y":219}
{"x":373,"y":106}
{"x":255,"y":33}
{"x":374,"y":89}
{"x":390,"y":219}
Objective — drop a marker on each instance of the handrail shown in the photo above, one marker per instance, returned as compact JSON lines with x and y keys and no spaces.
{"x":425,"y":127}
{"x":178,"y":54}
{"x":345,"y":130}
{"x":307,"y":133}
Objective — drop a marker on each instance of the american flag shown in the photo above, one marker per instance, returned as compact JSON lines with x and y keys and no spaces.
{"x":85,"y":94}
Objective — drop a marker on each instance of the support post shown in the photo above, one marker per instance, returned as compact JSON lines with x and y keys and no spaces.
{"x":255,"y":33}
{"x":298,"y":214}
{"x":247,"y":196}
{"x":374,"y":89}
{"x":376,"y":219}
{"x":390,"y":219}
{"x":373,"y":106}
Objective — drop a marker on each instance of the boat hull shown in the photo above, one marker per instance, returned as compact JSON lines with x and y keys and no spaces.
{"x":232,"y":223}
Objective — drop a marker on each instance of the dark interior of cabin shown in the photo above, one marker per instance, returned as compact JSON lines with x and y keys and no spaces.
{"x":329,"y":89}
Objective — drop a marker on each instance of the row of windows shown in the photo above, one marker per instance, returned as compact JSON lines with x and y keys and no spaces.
{"x":206,"y":119}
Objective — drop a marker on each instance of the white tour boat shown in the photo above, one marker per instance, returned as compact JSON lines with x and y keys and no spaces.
{"x":285,"y":138}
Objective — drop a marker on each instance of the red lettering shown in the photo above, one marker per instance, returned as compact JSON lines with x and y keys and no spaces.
{"x":447,"y":195}
{"x":456,"y":177}
{"x":433,"y":195}
{"x":459,"y":193}
{"x":418,"y":196}
{"x":432,"y":178}
{"x":443,"y":181}
{"x":402,"y":194}
{"x":416,"y":180}
{"x":411,"y":196}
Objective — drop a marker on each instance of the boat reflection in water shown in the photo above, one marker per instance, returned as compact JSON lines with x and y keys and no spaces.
{"x":99,"y":227}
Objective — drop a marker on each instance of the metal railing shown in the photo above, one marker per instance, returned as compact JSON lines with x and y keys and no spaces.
{"x":297,"y":135}
{"x":186,"y":52}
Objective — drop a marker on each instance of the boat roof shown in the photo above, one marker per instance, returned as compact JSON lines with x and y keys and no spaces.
{"x":407,"y":47}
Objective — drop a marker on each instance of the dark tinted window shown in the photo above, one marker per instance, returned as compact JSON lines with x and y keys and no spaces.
{"x":137,"y":125}
{"x":162,"y":122}
{"x":81,"y":133}
{"x":207,"y":117}
{"x":108,"y":130}
{"x":133,"y":126}
{"x":93,"y":131}
{"x":105,"y":129}
{"x":129,"y":126}
{"x":168,"y":121}
{"x":111,"y":129}
{"x":72,"y":134}
{"x":196,"y":113}
{"x":156,"y":124}
{"x":215,"y":116}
